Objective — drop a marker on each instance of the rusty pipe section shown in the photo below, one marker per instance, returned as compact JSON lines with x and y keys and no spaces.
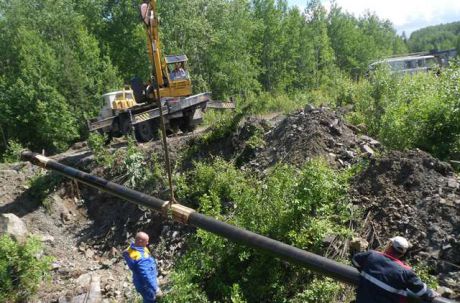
{"x":185,"y":215}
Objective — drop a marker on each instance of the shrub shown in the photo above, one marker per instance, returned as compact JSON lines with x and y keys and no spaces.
{"x":102,"y":155}
{"x":22,"y":269}
{"x":42,"y":184}
{"x":13,"y":152}
{"x":320,"y":291}
{"x":420,"y":110}
{"x":129,"y":166}
{"x":298,"y":207}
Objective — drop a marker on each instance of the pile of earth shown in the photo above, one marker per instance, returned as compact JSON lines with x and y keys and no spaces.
{"x":417,"y":196}
{"x":305,"y":134}
{"x":257,"y":143}
{"x":310,"y":133}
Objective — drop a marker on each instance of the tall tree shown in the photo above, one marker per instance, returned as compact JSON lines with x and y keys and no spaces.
{"x":319,"y":50}
{"x":53,"y":73}
{"x":270,"y":38}
{"x":438,"y":37}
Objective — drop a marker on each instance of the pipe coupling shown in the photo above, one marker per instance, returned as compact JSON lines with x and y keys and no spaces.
{"x":181,"y":213}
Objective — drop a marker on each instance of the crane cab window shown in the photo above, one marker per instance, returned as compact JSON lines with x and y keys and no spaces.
{"x":177,"y":68}
{"x":178,"y":72}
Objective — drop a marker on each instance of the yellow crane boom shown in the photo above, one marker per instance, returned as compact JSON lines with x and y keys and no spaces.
{"x":168,"y":72}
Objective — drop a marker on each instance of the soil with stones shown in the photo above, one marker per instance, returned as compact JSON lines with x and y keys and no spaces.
{"x":417,"y":196}
{"x":85,"y":230}
{"x":310,"y":133}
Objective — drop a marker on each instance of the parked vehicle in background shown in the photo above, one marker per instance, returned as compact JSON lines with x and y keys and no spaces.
{"x":444,"y":56}
{"x":408,"y":64}
{"x":417,"y":62}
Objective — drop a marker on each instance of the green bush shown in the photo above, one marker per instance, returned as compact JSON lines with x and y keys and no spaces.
{"x":42,"y":184}
{"x":22,"y":269}
{"x":102,"y":155}
{"x":13,"y":152}
{"x":426,"y":274}
{"x":298,"y":207}
{"x":409,"y":111}
{"x":129,"y":166}
{"x":320,"y":291}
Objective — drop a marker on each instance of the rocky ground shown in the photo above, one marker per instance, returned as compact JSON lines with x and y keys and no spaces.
{"x":85,"y":231}
{"x":413,"y":194}
{"x":407,"y":193}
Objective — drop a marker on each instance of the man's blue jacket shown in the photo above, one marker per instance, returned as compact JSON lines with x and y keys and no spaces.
{"x":144,"y":268}
{"x":385,"y":279}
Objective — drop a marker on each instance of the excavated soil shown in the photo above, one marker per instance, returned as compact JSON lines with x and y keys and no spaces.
{"x":311,"y":133}
{"x":417,"y":196}
{"x":406,"y":193}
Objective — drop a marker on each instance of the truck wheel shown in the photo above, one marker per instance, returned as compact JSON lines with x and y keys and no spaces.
{"x":173,"y":127}
{"x":186,"y":125}
{"x":144,"y":132}
{"x":125,"y":127}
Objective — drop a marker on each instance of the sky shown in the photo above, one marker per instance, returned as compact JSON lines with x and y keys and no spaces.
{"x":406,"y":15}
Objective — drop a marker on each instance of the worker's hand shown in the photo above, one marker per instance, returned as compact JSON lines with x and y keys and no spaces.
{"x":159,"y":293}
{"x":429,"y":297}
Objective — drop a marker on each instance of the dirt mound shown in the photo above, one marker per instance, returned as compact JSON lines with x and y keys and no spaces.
{"x":417,"y":196}
{"x":311,"y":133}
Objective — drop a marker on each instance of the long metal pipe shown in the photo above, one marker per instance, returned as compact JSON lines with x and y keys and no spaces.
{"x":187,"y":215}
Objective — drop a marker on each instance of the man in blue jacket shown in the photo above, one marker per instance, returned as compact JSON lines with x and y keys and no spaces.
{"x":144,"y":268}
{"x":386,"y":279}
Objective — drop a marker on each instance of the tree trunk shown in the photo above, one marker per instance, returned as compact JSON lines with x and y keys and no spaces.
{"x":5,"y":141}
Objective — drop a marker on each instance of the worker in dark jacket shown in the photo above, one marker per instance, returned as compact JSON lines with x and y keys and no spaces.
{"x":386,"y":279}
{"x":144,"y":268}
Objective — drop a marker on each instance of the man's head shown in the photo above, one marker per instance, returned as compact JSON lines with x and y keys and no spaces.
{"x":398,"y":246}
{"x":142,"y":239}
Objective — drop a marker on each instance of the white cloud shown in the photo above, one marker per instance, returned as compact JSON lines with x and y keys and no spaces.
{"x":406,"y":15}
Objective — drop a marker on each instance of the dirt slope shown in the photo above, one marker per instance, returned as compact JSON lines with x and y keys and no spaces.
{"x":415,"y":195}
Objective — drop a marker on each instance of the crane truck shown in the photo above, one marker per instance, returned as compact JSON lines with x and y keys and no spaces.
{"x":137,"y":108}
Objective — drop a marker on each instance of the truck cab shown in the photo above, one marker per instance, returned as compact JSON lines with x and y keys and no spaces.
{"x":178,"y":77}
{"x":116,"y":101}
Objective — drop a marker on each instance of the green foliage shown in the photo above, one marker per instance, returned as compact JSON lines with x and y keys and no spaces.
{"x":129,"y":166}
{"x":22,"y":269}
{"x":320,"y":291}
{"x":265,"y":102}
{"x":13,"y":152}
{"x":438,"y":37}
{"x":102,"y":155}
{"x":358,"y":42}
{"x":52,"y":74}
{"x":139,"y":172}
{"x":298,"y":207}
{"x":419,"y":110}
{"x":42,"y":184}
{"x":426,"y":274}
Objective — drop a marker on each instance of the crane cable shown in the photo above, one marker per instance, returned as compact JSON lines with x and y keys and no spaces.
{"x":172,"y":199}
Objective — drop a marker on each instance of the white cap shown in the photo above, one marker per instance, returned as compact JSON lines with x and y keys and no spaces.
{"x":400,"y":244}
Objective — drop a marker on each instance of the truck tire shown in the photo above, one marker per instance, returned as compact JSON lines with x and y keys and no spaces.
{"x":144,"y":131}
{"x":125,"y":126}
{"x":186,"y":125}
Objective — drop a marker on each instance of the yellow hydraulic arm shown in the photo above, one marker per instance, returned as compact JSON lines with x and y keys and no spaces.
{"x":170,"y":87}
{"x":148,"y":11}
